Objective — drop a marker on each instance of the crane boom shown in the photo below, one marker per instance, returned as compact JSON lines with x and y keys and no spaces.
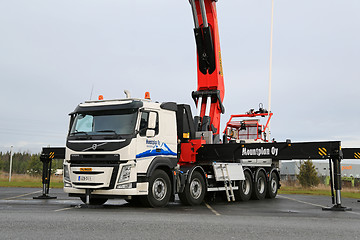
{"x":210,"y":91}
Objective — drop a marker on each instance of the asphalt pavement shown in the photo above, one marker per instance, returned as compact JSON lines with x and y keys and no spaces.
{"x":285,"y":217}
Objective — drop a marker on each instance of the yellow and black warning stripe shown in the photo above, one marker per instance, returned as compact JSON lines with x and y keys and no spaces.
{"x":52,"y":155}
{"x":322,"y":152}
{"x":357,"y":155}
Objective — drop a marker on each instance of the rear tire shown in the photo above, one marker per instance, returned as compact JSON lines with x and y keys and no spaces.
{"x":94,"y":201}
{"x":245,"y":188}
{"x":194,"y":191}
{"x":159,"y":191}
{"x":260,"y":186}
{"x":273,"y":186}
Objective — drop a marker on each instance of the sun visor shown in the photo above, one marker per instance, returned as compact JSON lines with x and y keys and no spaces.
{"x":82,"y":108}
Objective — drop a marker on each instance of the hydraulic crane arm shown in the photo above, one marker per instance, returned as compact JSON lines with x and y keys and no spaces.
{"x":210,"y":91}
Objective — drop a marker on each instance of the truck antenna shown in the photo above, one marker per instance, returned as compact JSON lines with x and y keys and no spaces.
{"x":127,"y":93}
{"x":270,"y":64}
{"x":92,"y":89}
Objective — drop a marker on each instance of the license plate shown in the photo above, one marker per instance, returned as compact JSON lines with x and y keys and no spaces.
{"x":85,"y":178}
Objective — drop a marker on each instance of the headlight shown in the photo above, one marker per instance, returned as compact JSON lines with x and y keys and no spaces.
{"x":125,"y":173}
{"x":66,"y":173}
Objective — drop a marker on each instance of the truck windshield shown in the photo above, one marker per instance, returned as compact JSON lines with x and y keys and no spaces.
{"x":104,"y":122}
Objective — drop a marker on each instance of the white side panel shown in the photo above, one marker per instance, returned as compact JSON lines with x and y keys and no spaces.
{"x":164,"y":144}
{"x":235,"y":171}
{"x":168,"y":129}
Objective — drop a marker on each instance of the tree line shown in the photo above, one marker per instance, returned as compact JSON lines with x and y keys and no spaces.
{"x":24,"y":163}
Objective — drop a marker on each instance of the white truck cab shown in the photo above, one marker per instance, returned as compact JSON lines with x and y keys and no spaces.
{"x":114,"y":145}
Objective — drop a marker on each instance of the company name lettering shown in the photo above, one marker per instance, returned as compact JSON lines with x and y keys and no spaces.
{"x":260,"y":151}
{"x":152,"y":142}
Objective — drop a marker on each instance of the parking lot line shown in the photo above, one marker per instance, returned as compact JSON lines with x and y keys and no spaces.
{"x":308,"y":203}
{"x":211,"y":209}
{"x":316,"y":205}
{"x":62,"y":209}
{"x":23,"y":195}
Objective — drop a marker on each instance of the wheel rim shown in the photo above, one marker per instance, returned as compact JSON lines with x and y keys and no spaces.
{"x":260,"y":185}
{"x":273,"y":185}
{"x":195,"y":188}
{"x":159,"y":189}
{"x":246,"y":186}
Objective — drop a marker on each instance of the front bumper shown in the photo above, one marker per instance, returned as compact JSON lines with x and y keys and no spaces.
{"x":114,"y":180}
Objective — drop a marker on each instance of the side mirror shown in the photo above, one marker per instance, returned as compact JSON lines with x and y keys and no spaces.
{"x":150,"y":133}
{"x":152,"y":120}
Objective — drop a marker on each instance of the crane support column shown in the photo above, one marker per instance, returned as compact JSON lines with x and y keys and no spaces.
{"x":46,"y":157}
{"x":210,"y":91}
{"x":335,"y":182}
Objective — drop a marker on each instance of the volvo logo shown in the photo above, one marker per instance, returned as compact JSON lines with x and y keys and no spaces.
{"x":94,"y":146}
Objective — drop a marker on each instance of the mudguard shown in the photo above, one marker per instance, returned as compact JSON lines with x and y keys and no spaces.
{"x":186,"y":172}
{"x":158,"y":162}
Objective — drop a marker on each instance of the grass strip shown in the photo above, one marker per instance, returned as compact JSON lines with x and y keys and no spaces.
{"x":29,"y":181}
{"x":347,"y":193}
{"x":29,"y":184}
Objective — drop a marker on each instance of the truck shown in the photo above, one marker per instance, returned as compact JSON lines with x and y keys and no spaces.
{"x":136,"y":148}
{"x":148,"y":152}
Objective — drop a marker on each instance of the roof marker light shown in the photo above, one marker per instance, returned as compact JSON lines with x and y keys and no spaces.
{"x":147,"y":95}
{"x":101,"y":97}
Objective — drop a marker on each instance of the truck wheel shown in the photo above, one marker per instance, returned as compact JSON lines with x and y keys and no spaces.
{"x":273,"y":186}
{"x":194,"y":191}
{"x":159,"y":190}
{"x":260,"y":186}
{"x":95,"y":201}
{"x":245,"y":188}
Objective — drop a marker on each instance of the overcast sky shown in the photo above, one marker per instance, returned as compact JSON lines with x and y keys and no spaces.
{"x":53,"y":52}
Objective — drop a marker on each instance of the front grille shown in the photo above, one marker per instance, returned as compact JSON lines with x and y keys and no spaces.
{"x":95,"y":159}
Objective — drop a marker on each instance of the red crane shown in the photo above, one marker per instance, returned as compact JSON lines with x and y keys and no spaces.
{"x":210,"y":92}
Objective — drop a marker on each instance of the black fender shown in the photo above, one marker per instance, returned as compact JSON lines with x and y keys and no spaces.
{"x":161,"y":162}
{"x":186,"y":172}
{"x":249,"y":170}
{"x":277,"y":173}
{"x":257,"y":173}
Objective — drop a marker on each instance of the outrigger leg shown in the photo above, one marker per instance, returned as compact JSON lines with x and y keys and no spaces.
{"x":335,"y":184}
{"x":46,"y":160}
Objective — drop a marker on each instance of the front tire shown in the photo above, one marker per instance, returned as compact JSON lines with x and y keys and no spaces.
{"x":159,"y":191}
{"x":245,"y":188}
{"x":194,"y":191}
{"x":260,"y":186}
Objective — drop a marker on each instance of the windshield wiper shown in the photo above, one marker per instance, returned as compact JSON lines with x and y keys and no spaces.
{"x":109,"y":131}
{"x":79,"y":132}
